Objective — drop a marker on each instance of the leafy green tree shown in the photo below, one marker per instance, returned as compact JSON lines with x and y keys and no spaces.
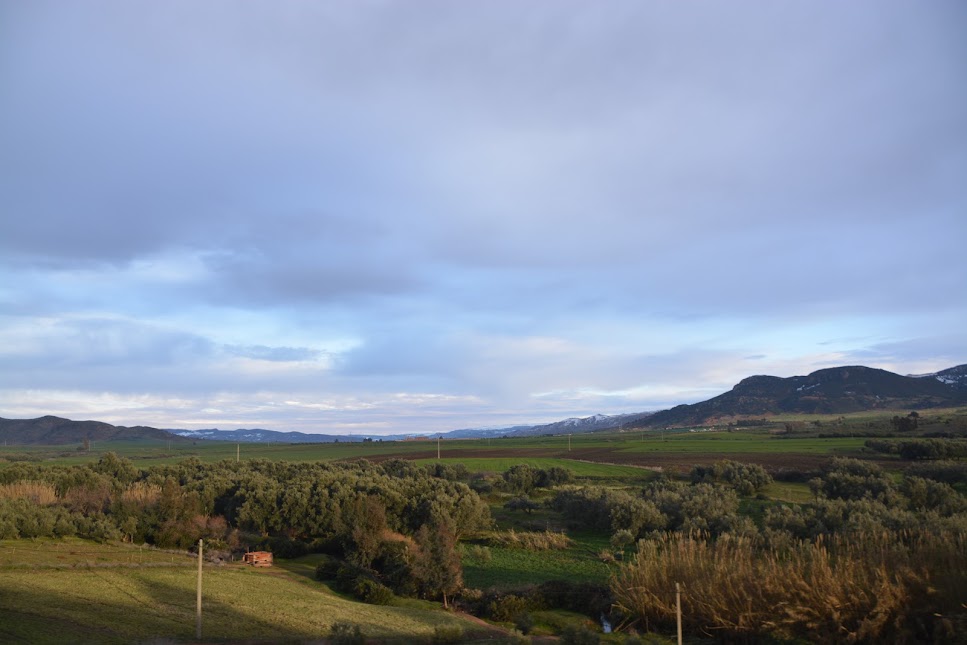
{"x":520,"y":479}
{"x":435,"y":562}
{"x":368,"y":522}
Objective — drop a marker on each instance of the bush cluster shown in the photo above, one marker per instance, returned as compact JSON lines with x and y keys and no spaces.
{"x":746,"y":479}
{"x":659,"y":506}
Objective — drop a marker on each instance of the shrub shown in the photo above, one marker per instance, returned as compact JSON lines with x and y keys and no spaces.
{"x":479,"y":553}
{"x":372,"y":592}
{"x":522,"y":503}
{"x":327,"y":569}
{"x":524,"y":622}
{"x":507,"y":608}
{"x":580,"y":597}
{"x":346,"y":634}
{"x":447,"y":634}
{"x":572,"y":635}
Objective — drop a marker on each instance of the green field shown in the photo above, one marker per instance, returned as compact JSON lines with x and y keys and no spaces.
{"x":495,"y":455}
{"x":583,"y":469}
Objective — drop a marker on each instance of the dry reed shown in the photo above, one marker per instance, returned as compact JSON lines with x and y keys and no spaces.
{"x":857,"y":588}
{"x":40,"y":493}
{"x":531,"y":540}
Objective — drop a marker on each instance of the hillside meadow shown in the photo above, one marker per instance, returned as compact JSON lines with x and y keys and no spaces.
{"x":96,"y":594}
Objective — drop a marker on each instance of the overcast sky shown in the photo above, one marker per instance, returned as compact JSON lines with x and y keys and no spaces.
{"x":378,"y":217}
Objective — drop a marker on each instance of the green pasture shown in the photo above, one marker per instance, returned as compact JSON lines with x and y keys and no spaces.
{"x":123,"y":604}
{"x":725,"y":443}
{"x":75,"y":552}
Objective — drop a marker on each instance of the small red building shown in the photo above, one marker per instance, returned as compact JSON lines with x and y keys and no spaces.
{"x":258,"y":558}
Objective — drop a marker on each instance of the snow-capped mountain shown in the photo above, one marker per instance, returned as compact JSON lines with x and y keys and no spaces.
{"x":955,"y":376}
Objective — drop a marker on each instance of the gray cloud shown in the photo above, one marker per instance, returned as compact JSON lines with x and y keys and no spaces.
{"x":478,"y":199}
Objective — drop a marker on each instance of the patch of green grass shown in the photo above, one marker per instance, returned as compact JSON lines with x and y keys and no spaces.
{"x":794,"y":492}
{"x":514,"y":568}
{"x":75,"y":552}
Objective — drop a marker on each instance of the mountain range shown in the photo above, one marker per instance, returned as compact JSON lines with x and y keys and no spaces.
{"x":836,"y":390}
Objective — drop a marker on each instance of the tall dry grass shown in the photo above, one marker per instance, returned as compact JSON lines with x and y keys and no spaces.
{"x":40,"y":493}
{"x":861,"y":588}
{"x":531,"y":540}
{"x":142,"y":493}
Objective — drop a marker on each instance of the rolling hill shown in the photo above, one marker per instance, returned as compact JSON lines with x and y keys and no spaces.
{"x":836,"y":390}
{"x":50,"y":430}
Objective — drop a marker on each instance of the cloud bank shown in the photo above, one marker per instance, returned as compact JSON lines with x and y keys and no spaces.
{"x":398,"y":216}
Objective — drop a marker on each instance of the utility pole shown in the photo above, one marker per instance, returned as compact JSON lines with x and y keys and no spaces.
{"x":438,"y":447}
{"x":237,"y":452}
{"x":198,"y":595}
{"x":678,"y":610}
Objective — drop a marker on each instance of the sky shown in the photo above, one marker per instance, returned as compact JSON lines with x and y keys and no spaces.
{"x":381,"y":217}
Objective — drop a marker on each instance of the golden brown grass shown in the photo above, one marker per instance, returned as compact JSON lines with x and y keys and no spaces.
{"x":531,"y":540}
{"x":40,"y":493}
{"x":142,"y":494}
{"x":860,"y":588}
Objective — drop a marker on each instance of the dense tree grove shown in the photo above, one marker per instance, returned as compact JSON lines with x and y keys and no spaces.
{"x":920,"y":449}
{"x":345,"y":508}
{"x":665,"y":505}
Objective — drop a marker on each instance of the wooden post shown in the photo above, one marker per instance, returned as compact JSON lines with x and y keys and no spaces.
{"x":678,"y":610}
{"x":438,"y":448}
{"x":237,"y":452}
{"x":198,"y":596}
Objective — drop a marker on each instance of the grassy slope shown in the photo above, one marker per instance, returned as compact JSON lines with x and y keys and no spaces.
{"x":122,"y":604}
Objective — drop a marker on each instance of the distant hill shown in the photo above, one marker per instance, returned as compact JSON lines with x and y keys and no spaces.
{"x":51,"y":430}
{"x":596,"y":423}
{"x":573,"y":425}
{"x":258,"y":435}
{"x":836,"y":390}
